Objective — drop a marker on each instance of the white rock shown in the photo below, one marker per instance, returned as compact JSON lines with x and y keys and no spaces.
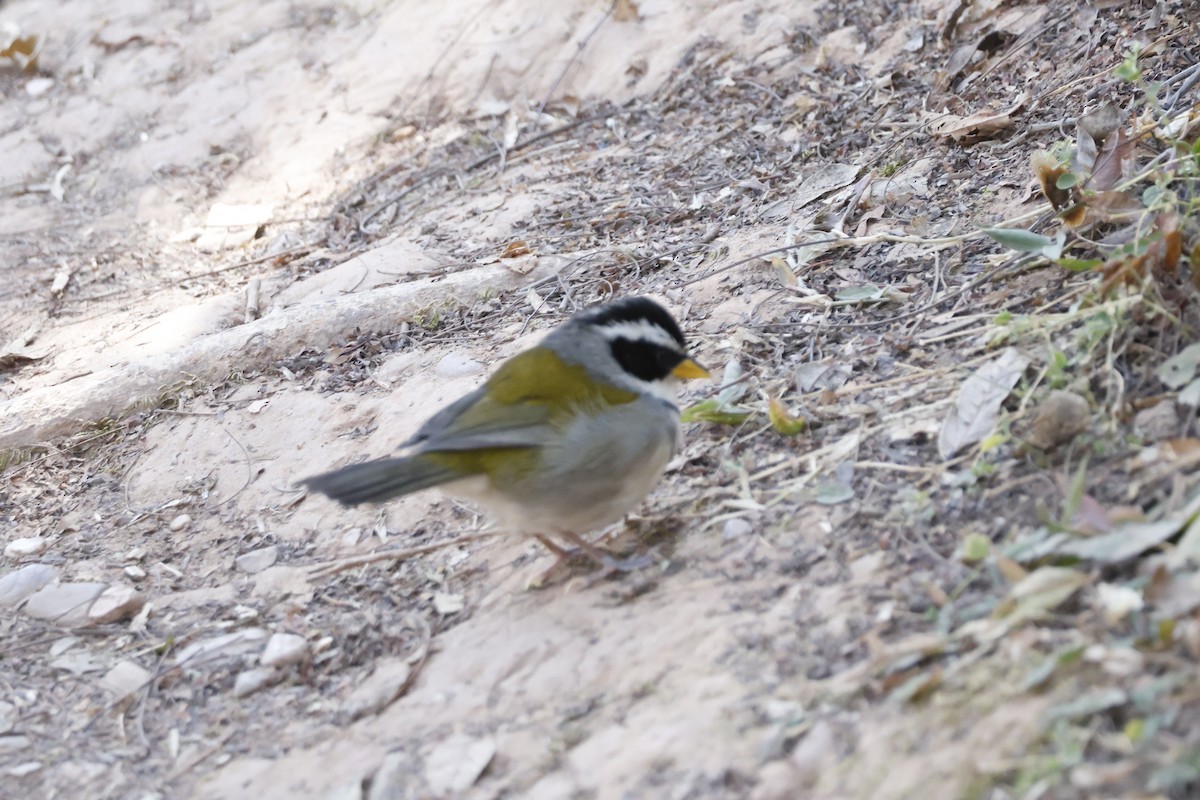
{"x":257,"y":560}
{"x":351,"y":790}
{"x":60,"y":646}
{"x":251,"y":680}
{"x":737,"y":528}
{"x":26,"y":546}
{"x":815,"y":754}
{"x":777,"y":780}
{"x":281,"y":581}
{"x":457,"y":365}
{"x":11,"y":744}
{"x":395,"y":777}
{"x":283,"y":649}
{"x":224,"y":646}
{"x":180,"y":522}
{"x":446,"y":603}
{"x":22,"y":582}
{"x":23,"y":769}
{"x":38,"y":86}
{"x":8,"y":716}
{"x":381,"y":688}
{"x":116,"y":602}
{"x":1117,"y":602}
{"x":63,"y":604}
{"x":135,"y":573}
{"x":125,"y":678}
{"x":456,"y":763}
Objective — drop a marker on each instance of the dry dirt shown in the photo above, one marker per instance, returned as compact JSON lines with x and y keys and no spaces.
{"x":418,"y":190}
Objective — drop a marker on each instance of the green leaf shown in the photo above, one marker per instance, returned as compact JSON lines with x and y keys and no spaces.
{"x":715,"y":412}
{"x":1019,"y":239}
{"x":1078,"y":264}
{"x":1124,"y":542}
{"x":784,"y":421}
{"x":1038,"y":676}
{"x":1090,"y":703}
{"x":975,"y":548}
{"x":1066,"y":180}
{"x":1025,"y":241}
{"x":831,"y":493}
{"x":853,"y":295}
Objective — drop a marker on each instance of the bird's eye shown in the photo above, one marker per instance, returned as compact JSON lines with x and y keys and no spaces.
{"x":645,"y":360}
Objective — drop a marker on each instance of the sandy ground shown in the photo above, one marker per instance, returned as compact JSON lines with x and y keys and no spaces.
{"x":246,"y":243}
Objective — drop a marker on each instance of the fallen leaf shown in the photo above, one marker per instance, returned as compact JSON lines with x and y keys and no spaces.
{"x":783,"y":420}
{"x":826,"y":179}
{"x":1131,"y":539}
{"x":1090,"y":703}
{"x":1024,"y":241}
{"x":20,"y":51}
{"x":1048,"y":170}
{"x":518,"y":248}
{"x":976,"y":127}
{"x":1180,"y":369}
{"x":1039,"y":593}
{"x":978,"y":405}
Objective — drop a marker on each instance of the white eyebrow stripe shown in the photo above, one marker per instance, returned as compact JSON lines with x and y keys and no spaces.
{"x":639,"y":330}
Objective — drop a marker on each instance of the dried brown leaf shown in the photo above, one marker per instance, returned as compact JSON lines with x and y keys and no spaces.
{"x":978,"y":404}
{"x":976,"y":127}
{"x":626,"y":11}
{"x":1161,"y":257}
{"x":1112,"y":163}
{"x":1047,"y":170}
{"x":20,"y":51}
{"x":517,"y":248}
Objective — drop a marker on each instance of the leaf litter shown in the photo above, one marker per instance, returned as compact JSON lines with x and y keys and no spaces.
{"x":848,"y":586}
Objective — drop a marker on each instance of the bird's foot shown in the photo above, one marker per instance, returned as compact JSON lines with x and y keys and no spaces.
{"x":583,"y":553}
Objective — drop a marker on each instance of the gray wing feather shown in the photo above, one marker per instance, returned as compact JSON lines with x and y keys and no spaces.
{"x":521,"y":425}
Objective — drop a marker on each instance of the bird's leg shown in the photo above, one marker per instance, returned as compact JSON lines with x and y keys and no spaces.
{"x":606,"y":560}
{"x":552,"y":546}
{"x":562,"y":556}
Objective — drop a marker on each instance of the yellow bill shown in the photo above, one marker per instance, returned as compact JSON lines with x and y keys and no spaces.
{"x":689,"y":369}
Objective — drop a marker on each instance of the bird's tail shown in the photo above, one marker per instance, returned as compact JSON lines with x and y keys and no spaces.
{"x":376,"y":481}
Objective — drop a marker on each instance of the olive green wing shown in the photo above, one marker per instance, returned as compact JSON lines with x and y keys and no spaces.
{"x":524,"y":404}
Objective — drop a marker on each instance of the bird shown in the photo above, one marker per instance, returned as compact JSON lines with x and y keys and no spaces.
{"x":564,"y":438}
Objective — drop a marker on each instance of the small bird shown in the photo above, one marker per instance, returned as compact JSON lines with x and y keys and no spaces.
{"x":564,"y":438}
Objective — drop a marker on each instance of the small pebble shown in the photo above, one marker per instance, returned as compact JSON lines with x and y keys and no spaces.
{"x":11,"y":744}
{"x":283,"y":649}
{"x":25,"y":546}
{"x":1157,"y":422}
{"x":815,"y":753}
{"x":257,"y":560}
{"x":1061,"y":417}
{"x":125,"y":678}
{"x":252,"y":680}
{"x":23,"y":769}
{"x":180,"y":522}
{"x":134,"y":572}
{"x":39,"y":86}
{"x":446,"y":603}
{"x":737,"y":528}
{"x":114,"y":603}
